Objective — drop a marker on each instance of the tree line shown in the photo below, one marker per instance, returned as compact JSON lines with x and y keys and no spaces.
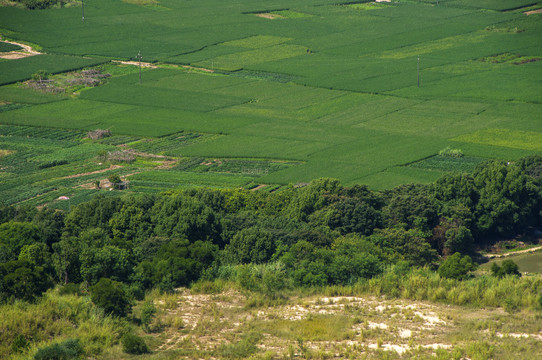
{"x":321,"y":234}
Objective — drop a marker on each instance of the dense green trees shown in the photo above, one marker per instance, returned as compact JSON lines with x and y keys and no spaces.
{"x":319,"y":234}
{"x":22,"y":279}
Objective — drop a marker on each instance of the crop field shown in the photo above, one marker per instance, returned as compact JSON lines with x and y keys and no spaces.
{"x":364,"y":92}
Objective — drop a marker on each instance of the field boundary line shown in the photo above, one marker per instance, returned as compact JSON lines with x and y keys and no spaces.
{"x":496,"y":256}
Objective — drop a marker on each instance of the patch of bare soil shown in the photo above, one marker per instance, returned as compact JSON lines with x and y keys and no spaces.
{"x":407,"y":328}
{"x":532,"y":12}
{"x":269,"y":16}
{"x":259,"y":187}
{"x":136,"y":63}
{"x":197,"y":68}
{"x":18,"y":54}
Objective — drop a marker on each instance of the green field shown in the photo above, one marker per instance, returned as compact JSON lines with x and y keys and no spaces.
{"x":331,"y":89}
{"x":530,"y":262}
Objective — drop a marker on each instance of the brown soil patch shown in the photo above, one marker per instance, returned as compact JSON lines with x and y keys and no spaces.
{"x":112,"y":167}
{"x":136,"y":63}
{"x":13,"y":55}
{"x":532,"y":12}
{"x":270,"y":16}
{"x":258,"y":187}
{"x":197,"y":68}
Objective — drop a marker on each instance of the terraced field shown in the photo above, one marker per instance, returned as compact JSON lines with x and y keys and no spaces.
{"x":295,"y":90}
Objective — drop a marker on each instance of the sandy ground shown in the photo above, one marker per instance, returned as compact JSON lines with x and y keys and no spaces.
{"x":269,"y":16}
{"x":532,"y":12}
{"x":136,"y":63}
{"x":207,"y":322}
{"x":13,"y":55}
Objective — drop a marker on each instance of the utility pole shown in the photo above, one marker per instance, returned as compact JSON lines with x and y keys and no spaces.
{"x":418,"y":70}
{"x":83,"y":9}
{"x":139,"y":57}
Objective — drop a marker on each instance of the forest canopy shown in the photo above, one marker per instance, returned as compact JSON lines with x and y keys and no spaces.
{"x":320,"y":234}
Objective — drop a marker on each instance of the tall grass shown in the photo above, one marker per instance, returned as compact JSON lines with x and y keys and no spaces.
{"x":57,"y":317}
{"x":511,"y":292}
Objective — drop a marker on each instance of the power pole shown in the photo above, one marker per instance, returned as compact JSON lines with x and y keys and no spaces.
{"x":418,"y":70}
{"x":83,"y":9}
{"x":139,"y":57}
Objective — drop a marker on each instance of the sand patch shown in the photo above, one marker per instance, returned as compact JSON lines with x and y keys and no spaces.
{"x":270,"y":16}
{"x":532,"y":12}
{"x":136,"y":63}
{"x":18,"y":54}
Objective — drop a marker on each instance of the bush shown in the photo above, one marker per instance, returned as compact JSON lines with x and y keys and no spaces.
{"x":147,"y":314}
{"x":508,"y":267}
{"x":110,"y":296}
{"x":456,"y":267}
{"x":69,"y":349}
{"x":19,"y":344}
{"x":133,"y":344}
{"x":41,"y":74}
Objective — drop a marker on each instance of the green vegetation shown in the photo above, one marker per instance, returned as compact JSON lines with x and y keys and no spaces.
{"x":231,"y":163}
{"x":333,"y":103}
{"x":7,"y":47}
{"x":110,"y":254}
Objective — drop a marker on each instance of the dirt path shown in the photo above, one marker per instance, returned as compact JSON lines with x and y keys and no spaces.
{"x":258,"y":187}
{"x":493,"y":256}
{"x":136,"y":63}
{"x":532,"y":12}
{"x":18,"y":54}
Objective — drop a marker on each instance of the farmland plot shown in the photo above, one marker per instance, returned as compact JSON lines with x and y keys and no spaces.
{"x":361,"y":92}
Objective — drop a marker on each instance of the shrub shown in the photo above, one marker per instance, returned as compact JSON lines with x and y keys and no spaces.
{"x":133,"y":344}
{"x":147,"y":313}
{"x":114,"y":178}
{"x":40,"y":75}
{"x":508,"y":267}
{"x":19,"y":344}
{"x":110,"y":296}
{"x":456,"y":267}
{"x":67,"y":350}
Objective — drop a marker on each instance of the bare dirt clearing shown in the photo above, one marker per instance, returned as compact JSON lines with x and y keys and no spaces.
{"x":269,"y":16}
{"x":18,"y":54}
{"x":335,"y":327}
{"x":532,"y":12}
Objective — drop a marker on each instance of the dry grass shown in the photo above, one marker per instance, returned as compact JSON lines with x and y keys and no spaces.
{"x":338,"y":327}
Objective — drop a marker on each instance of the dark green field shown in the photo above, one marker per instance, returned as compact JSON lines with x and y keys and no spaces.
{"x":330,"y":90}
